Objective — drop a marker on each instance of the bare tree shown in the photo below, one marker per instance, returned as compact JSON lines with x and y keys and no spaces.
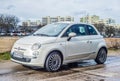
{"x":117,"y":31}
{"x":100,"y":27}
{"x":1,"y":21}
{"x":8,"y":21}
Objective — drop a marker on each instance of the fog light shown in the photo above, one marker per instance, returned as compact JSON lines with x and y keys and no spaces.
{"x":35,"y":54}
{"x":28,"y":59}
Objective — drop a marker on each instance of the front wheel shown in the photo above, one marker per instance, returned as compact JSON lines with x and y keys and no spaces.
{"x":101,"y":57}
{"x":53,"y":61}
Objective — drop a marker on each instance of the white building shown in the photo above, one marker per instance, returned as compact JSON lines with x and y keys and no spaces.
{"x":107,"y":21}
{"x":48,"y":19}
{"x":96,"y":19}
{"x":31,"y":23}
{"x":90,"y":19}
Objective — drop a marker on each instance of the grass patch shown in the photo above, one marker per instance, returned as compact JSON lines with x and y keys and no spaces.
{"x":5,"y":56}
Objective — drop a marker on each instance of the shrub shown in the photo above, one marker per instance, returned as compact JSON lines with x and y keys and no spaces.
{"x":115,"y":43}
{"x":5,"y":56}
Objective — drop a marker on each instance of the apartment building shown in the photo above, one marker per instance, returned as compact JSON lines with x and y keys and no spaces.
{"x":31,"y":23}
{"x":107,"y":21}
{"x":48,"y":19}
{"x":96,"y":19}
{"x":90,"y":19}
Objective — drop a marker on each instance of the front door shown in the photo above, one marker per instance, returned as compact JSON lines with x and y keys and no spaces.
{"x":77,"y":47}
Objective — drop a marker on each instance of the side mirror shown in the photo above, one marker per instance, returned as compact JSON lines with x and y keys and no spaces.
{"x":72,"y":34}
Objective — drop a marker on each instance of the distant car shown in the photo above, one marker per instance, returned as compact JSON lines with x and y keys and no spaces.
{"x":28,"y":34}
{"x":15,"y":34}
{"x":60,"y":43}
{"x":19,"y":34}
{"x":2,"y":34}
{"x":22,"y":34}
{"x":11,"y":34}
{"x":116,"y":36}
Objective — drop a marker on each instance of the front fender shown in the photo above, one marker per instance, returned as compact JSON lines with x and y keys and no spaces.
{"x":47,"y":48}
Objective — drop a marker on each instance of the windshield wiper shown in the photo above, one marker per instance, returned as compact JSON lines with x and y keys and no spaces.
{"x":40,"y":35}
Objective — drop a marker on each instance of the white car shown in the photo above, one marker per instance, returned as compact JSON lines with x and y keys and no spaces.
{"x":60,"y":43}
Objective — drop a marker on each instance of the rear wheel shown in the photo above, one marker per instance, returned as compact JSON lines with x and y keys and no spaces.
{"x":101,"y":57}
{"x":53,"y":61}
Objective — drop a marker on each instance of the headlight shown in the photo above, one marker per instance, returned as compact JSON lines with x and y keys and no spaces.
{"x":36,"y":46}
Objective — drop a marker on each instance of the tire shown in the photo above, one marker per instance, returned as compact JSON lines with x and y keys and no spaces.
{"x":73,"y":64}
{"x":53,"y":62}
{"x":102,"y":56}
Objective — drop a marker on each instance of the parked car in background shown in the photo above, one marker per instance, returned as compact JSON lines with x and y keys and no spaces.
{"x":17,"y":34}
{"x":2,"y":33}
{"x":116,"y":36}
{"x":60,"y":43}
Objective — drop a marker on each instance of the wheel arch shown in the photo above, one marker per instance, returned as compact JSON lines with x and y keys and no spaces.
{"x":97,"y":60}
{"x":104,"y":47}
{"x":56,"y":50}
{"x":61,"y":54}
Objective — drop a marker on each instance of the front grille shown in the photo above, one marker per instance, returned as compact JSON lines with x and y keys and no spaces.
{"x":21,"y":59}
{"x":19,"y":48}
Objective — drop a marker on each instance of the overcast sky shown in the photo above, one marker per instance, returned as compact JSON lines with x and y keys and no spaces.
{"x":36,"y":9}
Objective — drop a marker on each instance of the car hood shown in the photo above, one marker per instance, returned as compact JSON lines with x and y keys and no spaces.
{"x":36,"y":39}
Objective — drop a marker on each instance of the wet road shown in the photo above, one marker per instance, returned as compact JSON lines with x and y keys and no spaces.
{"x":84,"y":71}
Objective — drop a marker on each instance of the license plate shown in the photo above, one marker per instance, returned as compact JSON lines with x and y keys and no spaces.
{"x":18,"y":54}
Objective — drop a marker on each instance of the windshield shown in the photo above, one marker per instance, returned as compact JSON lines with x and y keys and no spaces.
{"x":51,"y":30}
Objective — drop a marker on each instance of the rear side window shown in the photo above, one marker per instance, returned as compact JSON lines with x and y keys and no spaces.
{"x":91,"y":30}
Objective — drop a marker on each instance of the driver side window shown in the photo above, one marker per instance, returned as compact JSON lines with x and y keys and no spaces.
{"x":69,"y":30}
{"x":80,"y":30}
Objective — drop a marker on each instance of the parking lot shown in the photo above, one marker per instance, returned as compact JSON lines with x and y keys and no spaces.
{"x":84,"y":71}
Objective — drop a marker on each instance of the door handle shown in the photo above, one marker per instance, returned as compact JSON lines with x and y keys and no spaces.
{"x":89,"y":42}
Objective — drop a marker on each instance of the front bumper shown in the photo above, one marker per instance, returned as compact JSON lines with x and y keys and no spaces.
{"x":21,"y":59}
{"x":23,"y":54}
{"x":28,"y":60}
{"x":35,"y":63}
